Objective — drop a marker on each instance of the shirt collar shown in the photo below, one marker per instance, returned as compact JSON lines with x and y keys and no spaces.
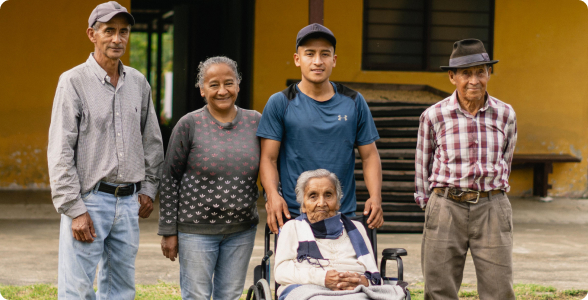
{"x":101,"y":73}
{"x":454,"y":103}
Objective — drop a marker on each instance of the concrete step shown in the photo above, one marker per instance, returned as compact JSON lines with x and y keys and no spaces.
{"x":397,"y":111}
{"x":401,"y":216}
{"x":394,"y":207}
{"x":389,"y":186}
{"x":388,"y":175}
{"x":392,"y":132}
{"x":393,"y":153}
{"x":397,"y":121}
{"x":401,"y":227}
{"x":391,"y":164}
{"x":397,"y":153}
{"x":388,"y":103}
{"x":397,"y":143}
{"x":388,"y":197}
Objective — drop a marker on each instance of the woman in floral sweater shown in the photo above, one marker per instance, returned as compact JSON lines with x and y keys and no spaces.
{"x":208,"y":213}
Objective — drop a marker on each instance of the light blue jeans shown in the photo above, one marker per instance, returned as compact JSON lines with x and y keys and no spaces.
{"x":224,"y":256}
{"x":114,"y":249}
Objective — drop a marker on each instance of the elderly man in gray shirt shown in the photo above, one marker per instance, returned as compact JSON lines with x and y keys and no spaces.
{"x":105,"y":156}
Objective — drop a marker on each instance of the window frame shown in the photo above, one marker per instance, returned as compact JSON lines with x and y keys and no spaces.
{"x":425,"y":65}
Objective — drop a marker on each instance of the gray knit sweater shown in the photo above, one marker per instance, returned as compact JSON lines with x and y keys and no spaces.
{"x":209,"y":183}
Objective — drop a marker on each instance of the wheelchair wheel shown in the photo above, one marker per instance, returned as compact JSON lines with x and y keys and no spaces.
{"x":259,"y":291}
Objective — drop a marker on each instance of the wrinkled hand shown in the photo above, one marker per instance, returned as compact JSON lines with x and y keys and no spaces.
{"x":82,"y":228}
{"x":169,"y":246}
{"x":350,"y":280}
{"x":146,"y":206}
{"x":275,"y":206}
{"x":376,"y":219}
{"x":331,"y":280}
{"x":338,"y":281}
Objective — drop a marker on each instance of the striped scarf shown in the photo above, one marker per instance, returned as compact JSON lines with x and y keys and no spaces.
{"x":332,"y":228}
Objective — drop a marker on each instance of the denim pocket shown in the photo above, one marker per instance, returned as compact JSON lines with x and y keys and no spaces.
{"x":137,"y":202}
{"x":87,"y":196}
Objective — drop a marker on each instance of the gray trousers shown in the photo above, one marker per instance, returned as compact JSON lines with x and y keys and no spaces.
{"x":450,"y":229}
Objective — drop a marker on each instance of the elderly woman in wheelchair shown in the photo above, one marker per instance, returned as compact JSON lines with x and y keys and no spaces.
{"x":324,"y":254}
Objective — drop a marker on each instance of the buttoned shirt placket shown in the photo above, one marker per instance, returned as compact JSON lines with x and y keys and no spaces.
{"x":474,"y":136}
{"x":118,"y":124}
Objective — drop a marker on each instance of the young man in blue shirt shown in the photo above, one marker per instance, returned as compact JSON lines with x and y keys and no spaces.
{"x":315,"y":124}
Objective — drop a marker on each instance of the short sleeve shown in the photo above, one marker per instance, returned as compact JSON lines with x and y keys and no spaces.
{"x":271,"y":125}
{"x":366,"y":128}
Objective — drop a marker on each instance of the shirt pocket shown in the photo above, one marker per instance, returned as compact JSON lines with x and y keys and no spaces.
{"x":133,"y":115}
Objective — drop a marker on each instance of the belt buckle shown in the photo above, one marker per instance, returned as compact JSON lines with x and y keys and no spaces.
{"x":452,"y":191}
{"x":116,"y":191}
{"x":477,"y":198}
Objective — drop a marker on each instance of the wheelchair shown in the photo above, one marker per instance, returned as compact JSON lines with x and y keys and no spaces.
{"x":260,"y":290}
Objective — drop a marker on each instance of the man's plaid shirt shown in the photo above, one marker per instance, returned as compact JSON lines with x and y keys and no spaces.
{"x":456,"y":149}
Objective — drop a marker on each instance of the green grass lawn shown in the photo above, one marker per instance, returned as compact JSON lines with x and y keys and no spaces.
{"x":165,"y":291}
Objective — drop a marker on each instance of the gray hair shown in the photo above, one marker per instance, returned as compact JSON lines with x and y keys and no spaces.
{"x":305,"y":177}
{"x":205,"y":65}
{"x":454,"y":70}
{"x":96,"y":26}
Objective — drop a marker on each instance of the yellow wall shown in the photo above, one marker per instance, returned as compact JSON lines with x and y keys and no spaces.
{"x":39,"y":40}
{"x":543,"y":57}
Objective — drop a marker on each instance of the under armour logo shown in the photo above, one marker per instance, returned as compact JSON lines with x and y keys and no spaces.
{"x":345,"y":117}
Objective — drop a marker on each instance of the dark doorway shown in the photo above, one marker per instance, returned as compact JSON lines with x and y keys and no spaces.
{"x":201,"y":29}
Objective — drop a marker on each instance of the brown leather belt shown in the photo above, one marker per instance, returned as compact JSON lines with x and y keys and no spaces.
{"x":464,"y":196}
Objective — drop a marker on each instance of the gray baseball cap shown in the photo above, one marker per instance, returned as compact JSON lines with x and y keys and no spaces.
{"x":105,"y":11}
{"x":315,"y":30}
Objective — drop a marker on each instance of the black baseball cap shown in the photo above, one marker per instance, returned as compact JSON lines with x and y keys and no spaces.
{"x":315,"y":30}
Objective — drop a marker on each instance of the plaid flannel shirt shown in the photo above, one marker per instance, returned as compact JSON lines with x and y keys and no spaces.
{"x":456,"y":149}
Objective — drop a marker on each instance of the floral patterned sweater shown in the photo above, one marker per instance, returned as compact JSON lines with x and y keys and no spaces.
{"x":209,"y":182}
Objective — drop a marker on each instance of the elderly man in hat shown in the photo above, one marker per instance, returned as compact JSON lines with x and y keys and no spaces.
{"x":105,"y":155}
{"x":463,"y":158}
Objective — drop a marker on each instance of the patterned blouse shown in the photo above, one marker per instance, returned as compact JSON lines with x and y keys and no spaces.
{"x":209,"y":182}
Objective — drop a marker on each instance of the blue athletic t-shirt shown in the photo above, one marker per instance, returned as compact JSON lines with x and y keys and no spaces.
{"x":318,"y":135}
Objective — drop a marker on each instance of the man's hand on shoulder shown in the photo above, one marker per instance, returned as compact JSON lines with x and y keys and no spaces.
{"x":146,"y":206}
{"x":376,"y":219}
{"x":275,"y":206}
{"x":82,"y":228}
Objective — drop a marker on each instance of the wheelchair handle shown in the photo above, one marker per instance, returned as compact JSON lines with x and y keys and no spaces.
{"x":267,"y":256}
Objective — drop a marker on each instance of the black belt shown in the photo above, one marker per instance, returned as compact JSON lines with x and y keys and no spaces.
{"x":120,"y":191}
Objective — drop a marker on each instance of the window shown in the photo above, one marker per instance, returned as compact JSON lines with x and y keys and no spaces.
{"x":418,"y":35}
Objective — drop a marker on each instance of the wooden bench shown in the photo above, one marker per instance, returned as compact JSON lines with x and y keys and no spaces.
{"x":542,"y":165}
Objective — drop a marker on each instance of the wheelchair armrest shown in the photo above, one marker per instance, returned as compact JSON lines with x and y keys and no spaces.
{"x":394,"y":252}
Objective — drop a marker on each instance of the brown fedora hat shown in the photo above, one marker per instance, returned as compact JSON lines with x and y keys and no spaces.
{"x":468,"y":53}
